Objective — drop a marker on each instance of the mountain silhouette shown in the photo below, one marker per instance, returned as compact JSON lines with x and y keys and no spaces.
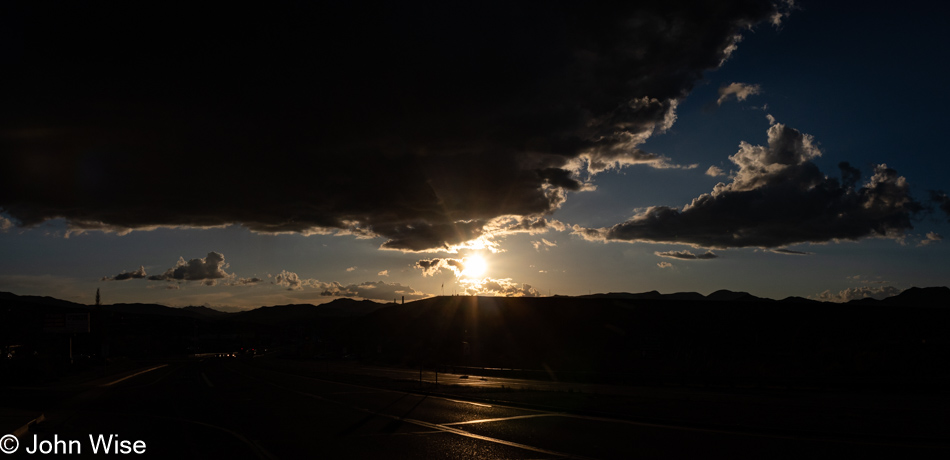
{"x":617,"y":337}
{"x":923,"y":297}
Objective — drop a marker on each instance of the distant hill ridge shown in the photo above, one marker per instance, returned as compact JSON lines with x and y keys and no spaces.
{"x":922,"y":297}
{"x":347,"y":307}
{"x":629,"y":337}
{"x":341,"y":307}
{"x":720,"y":295}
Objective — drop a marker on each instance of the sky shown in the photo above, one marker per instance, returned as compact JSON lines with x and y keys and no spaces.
{"x":236,"y":158}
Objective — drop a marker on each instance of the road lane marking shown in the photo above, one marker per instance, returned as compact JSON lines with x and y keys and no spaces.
{"x":364,"y":392}
{"x":433,"y":426}
{"x":490,"y":439}
{"x":208,"y":382}
{"x":133,"y":375}
{"x":845,"y":439}
{"x":468,"y":402}
{"x":408,"y":433}
{"x":503,"y":419}
{"x":387,"y":390}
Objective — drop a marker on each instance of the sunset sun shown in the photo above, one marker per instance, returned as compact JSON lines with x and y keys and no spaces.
{"x":475,"y":267}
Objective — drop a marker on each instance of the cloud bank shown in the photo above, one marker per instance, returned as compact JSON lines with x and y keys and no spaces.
{"x":420,"y":127}
{"x":777,"y":198}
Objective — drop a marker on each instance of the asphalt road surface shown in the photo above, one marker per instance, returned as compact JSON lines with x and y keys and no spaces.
{"x":237,"y":409}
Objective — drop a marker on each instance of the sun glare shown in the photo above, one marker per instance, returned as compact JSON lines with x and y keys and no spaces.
{"x":475,"y":267}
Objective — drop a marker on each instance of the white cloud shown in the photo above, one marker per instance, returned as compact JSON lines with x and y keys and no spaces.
{"x":210,"y":267}
{"x":932,"y":237}
{"x":715,"y":171}
{"x":778,"y":197}
{"x":289,"y":280}
{"x":782,"y":10}
{"x":543,"y":244}
{"x":497,"y":287}
{"x":740,"y":91}
{"x":376,"y":290}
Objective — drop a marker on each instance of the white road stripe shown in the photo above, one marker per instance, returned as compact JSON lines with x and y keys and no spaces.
{"x":208,"y":382}
{"x":433,"y":426}
{"x":133,"y":375}
{"x":489,"y":439}
{"x":670,"y":426}
{"x":468,"y":402}
{"x":503,"y":419}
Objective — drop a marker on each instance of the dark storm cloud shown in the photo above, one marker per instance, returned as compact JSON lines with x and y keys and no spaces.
{"x":137,"y":274}
{"x":418,"y":124}
{"x":686,"y":255}
{"x":209,"y":268}
{"x":778,"y":197}
{"x":422,"y":236}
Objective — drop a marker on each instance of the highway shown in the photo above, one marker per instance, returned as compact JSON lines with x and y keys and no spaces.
{"x":241,"y":409}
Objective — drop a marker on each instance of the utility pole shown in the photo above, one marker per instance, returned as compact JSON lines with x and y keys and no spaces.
{"x":98,"y":303}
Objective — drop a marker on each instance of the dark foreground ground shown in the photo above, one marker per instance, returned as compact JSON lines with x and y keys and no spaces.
{"x":273,"y":407}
